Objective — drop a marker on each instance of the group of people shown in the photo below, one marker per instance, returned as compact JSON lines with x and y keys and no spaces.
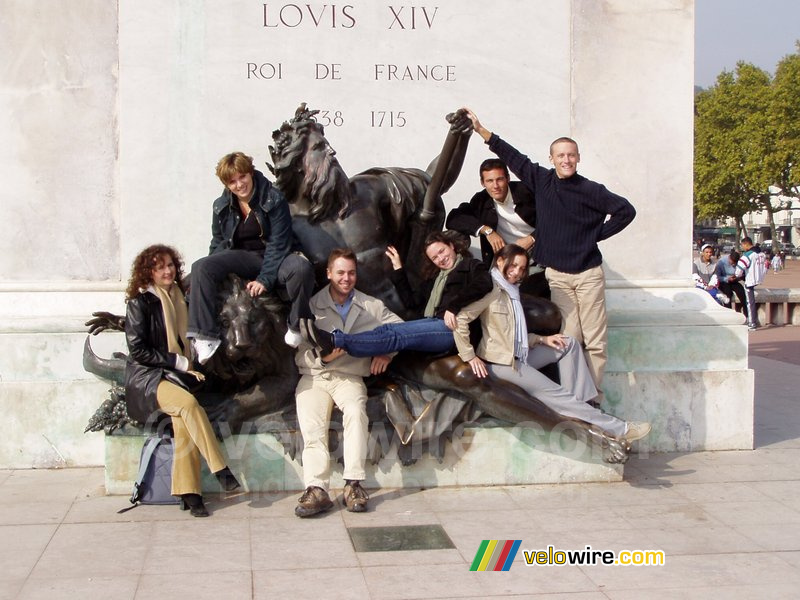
{"x":734,"y":274}
{"x":536,"y":234}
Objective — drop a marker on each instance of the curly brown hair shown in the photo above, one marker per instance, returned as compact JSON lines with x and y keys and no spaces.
{"x":145,"y":262}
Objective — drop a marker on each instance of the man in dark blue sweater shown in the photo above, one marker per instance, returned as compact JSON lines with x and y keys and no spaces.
{"x":573,"y":214}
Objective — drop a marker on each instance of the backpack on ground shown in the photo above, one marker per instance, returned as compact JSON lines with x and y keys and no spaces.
{"x":153,"y":484}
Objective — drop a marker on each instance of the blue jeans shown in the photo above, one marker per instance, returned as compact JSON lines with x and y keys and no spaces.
{"x":423,"y":335}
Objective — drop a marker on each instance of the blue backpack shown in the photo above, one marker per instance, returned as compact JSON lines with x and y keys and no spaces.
{"x":153,"y":484}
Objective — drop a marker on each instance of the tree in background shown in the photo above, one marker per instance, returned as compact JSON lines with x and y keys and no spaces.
{"x":784,"y":162}
{"x":747,"y":142}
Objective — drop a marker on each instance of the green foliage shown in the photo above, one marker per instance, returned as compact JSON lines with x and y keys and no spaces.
{"x":747,"y":139}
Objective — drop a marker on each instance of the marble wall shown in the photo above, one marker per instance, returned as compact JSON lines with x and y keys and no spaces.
{"x":114,"y":115}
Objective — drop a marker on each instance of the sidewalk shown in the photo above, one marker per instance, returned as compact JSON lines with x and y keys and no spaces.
{"x":728,"y":522}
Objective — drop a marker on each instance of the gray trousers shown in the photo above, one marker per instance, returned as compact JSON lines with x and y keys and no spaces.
{"x":570,"y":397}
{"x":752,"y":309}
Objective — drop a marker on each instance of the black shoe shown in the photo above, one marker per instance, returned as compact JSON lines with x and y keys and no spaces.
{"x":194,"y":504}
{"x":322,"y":340}
{"x":227,"y":480}
{"x":314,"y":500}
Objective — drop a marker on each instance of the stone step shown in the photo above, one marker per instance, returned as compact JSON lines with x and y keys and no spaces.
{"x":487,"y":454}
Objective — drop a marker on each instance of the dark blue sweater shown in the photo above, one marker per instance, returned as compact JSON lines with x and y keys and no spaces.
{"x":571,"y":213}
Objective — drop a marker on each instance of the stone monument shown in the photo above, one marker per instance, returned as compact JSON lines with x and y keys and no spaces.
{"x":114,"y":115}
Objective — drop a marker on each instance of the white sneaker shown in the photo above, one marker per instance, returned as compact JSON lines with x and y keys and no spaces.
{"x":292,"y":338}
{"x":636,"y":430}
{"x":204,"y":348}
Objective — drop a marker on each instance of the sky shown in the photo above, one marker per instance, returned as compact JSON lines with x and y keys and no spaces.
{"x":755,"y":31}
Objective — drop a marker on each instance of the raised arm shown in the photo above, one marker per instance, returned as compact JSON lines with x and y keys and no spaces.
{"x":445,"y":168}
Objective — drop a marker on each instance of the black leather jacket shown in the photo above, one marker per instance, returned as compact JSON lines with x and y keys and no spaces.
{"x":467,"y":217}
{"x":146,"y":335}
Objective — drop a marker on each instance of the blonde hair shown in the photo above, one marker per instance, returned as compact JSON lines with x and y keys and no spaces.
{"x":233,"y":163}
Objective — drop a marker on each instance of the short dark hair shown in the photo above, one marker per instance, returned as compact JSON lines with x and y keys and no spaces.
{"x":345,"y":253}
{"x":747,"y":240}
{"x":493,"y":163}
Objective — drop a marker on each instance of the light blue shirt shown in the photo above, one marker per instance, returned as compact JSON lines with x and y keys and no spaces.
{"x":344,"y":309}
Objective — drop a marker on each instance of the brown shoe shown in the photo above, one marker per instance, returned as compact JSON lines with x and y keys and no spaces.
{"x":314,"y":500}
{"x":355,"y":497}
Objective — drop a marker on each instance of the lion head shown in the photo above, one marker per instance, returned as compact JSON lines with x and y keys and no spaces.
{"x":252,"y":338}
{"x":305,"y":167}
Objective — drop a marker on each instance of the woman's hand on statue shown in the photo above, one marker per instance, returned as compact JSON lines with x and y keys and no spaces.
{"x":558,"y":341}
{"x":450,"y":320}
{"x":478,"y":367}
{"x":255,"y":288}
{"x":394,"y":256}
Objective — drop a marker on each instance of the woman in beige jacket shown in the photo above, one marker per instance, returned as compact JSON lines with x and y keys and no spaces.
{"x":507,"y":351}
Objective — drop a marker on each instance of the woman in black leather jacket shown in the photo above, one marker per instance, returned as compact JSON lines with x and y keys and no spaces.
{"x":155,"y":329}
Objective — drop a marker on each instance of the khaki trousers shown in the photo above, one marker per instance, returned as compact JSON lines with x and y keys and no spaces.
{"x":581,"y":297}
{"x":193,"y":438}
{"x":316,"y":396}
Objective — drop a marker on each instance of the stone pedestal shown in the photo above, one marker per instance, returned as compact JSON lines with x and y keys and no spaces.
{"x":483,"y":455}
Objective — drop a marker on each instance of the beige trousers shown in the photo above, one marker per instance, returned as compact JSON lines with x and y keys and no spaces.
{"x":581,"y":297}
{"x":316,"y":396}
{"x":193,"y":438}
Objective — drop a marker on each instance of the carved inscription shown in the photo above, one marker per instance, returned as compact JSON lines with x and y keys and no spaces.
{"x":389,"y":72}
{"x":318,"y":16}
{"x":314,"y":15}
{"x":387,"y":118}
{"x":412,"y":17}
{"x":264,"y":71}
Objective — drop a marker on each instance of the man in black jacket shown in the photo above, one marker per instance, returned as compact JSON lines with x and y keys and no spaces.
{"x":503,"y":212}
{"x":573,"y":215}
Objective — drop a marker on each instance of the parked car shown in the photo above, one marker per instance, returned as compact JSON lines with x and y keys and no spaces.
{"x":788,"y":247}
